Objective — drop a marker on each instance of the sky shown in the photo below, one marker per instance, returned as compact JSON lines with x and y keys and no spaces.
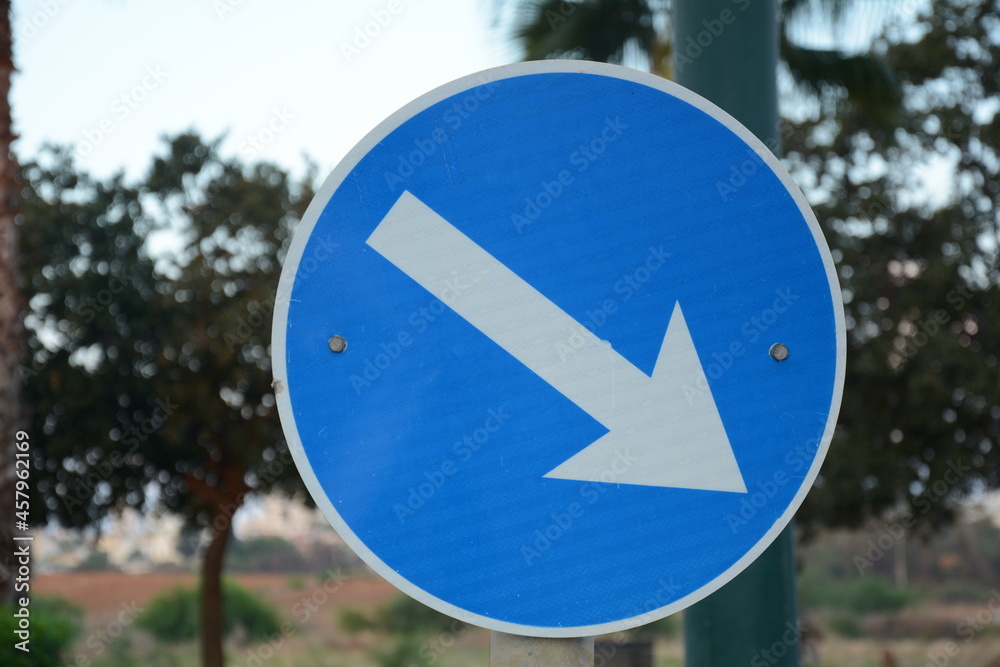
{"x":279,"y":79}
{"x":282,"y":80}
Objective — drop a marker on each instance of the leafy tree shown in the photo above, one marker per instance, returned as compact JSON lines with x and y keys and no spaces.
{"x":174,"y":616}
{"x":617,"y":31}
{"x":921,"y":415}
{"x":96,"y":561}
{"x":400,"y":615}
{"x":409,"y":623}
{"x":11,"y":306}
{"x":149,"y":371}
{"x":55,"y":625}
{"x":264,"y":554}
{"x":917,"y":252}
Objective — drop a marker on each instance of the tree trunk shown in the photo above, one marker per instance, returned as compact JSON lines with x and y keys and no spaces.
{"x":224,"y":500}
{"x":211,"y":590}
{"x":966,"y":531}
{"x":926,"y":561}
{"x":11,"y":332}
{"x":900,"y":572}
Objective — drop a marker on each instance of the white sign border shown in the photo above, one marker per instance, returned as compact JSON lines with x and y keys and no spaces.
{"x":304,"y":231}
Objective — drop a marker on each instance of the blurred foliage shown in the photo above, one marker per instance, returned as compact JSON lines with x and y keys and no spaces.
{"x":408,"y":623}
{"x":859,"y":595}
{"x":667,"y":627}
{"x":175,"y":616}
{"x":55,"y":625}
{"x":846,"y":625}
{"x":401,"y":653}
{"x":612,"y":30}
{"x":149,"y":312}
{"x":354,"y":621}
{"x":587,"y":29}
{"x":150,"y":369}
{"x":401,"y":615}
{"x":959,"y":592}
{"x":949,"y":560}
{"x":263,"y":554}
{"x":897,"y":151}
{"x":120,"y":654}
{"x":95,"y":561}
{"x":912,"y":218}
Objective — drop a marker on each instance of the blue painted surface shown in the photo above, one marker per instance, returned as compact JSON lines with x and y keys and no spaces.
{"x":431,"y":441}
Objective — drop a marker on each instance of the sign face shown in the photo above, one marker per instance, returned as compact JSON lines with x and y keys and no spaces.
{"x":559,"y":348}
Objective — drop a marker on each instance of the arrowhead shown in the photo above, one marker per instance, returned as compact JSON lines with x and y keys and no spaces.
{"x":666,"y":432}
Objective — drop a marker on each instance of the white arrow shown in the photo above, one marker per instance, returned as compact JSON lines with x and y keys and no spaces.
{"x":658,"y":435}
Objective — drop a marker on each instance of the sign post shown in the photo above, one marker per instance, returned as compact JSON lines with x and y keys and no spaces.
{"x":545,"y":364}
{"x":520,"y":651}
{"x":734,"y":64}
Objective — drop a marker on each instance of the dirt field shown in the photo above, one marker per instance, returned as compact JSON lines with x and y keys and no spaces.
{"x":102,"y":594}
{"x":318,"y":641}
{"x":313,"y":607}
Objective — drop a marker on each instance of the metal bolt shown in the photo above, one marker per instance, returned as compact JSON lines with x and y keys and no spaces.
{"x":778,"y":352}
{"x":337,"y":344}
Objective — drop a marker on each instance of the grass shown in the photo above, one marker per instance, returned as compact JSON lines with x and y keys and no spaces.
{"x":860,"y":595}
{"x":319,"y":642}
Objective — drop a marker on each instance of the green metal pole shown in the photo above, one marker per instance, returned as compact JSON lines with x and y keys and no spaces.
{"x":727,"y":52}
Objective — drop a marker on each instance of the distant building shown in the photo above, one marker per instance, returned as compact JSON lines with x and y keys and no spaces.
{"x":142,"y":542}
{"x":288,"y":518}
{"x":131,"y":542}
{"x":135,"y":542}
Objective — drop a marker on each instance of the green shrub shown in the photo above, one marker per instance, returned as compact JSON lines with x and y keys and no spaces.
{"x":55,"y":625}
{"x":959,"y":592}
{"x":175,"y":616}
{"x":860,"y":595}
{"x":96,"y":561}
{"x":245,"y":608}
{"x":401,"y":615}
{"x":406,"y":621}
{"x":846,"y":625}
{"x":120,"y":655}
{"x":353,"y":621}
{"x":876,"y":594}
{"x":263,"y":554}
{"x":817,"y":591}
{"x":402,"y":653}
{"x":172,"y":616}
{"x":667,"y":627}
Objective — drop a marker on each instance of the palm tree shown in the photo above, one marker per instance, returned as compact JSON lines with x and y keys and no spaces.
{"x":10,"y":315}
{"x":637,"y":32}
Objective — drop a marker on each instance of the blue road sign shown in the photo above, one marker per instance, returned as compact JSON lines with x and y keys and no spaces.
{"x":559,"y":348}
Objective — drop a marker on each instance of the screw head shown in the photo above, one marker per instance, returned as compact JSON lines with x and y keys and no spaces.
{"x":337,"y":344}
{"x":778,"y":352}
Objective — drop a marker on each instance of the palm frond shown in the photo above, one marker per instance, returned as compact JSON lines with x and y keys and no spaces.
{"x":832,"y":10}
{"x":588,"y":29}
{"x":850,"y":24}
{"x":869,"y":81}
{"x":603,"y":29}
